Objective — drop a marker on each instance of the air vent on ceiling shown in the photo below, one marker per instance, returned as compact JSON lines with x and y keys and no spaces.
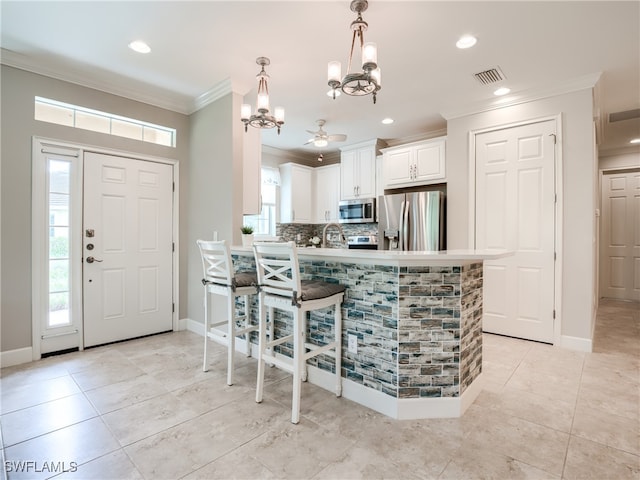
{"x":493,"y":75}
{"x":628,"y":115}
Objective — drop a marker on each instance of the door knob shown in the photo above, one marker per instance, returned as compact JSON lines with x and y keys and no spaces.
{"x":91,"y":260}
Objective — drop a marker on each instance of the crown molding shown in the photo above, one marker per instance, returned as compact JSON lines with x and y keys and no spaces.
{"x":560,"y":88}
{"x":145,"y":94}
{"x":394,"y":142}
{"x":612,"y":152}
{"x":218,"y":91}
{"x":286,"y":155}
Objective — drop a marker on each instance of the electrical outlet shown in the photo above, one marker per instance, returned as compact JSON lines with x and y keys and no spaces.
{"x":353,"y":343}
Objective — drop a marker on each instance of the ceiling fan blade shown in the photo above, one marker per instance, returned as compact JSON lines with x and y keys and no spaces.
{"x":310,"y":141}
{"x":338,"y":137}
{"x":312,"y":133}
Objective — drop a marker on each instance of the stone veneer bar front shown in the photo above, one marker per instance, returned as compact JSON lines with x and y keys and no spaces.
{"x":417,"y":317}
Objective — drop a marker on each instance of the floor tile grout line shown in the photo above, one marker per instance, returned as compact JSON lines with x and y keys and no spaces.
{"x":230,"y":452}
{"x":40,"y":404}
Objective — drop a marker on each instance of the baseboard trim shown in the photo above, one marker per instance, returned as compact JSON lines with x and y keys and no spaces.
{"x":16,"y":357}
{"x":576,"y":343}
{"x":399,"y":408}
{"x":193,"y":326}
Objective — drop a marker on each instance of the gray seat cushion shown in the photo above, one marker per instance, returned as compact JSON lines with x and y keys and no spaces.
{"x":246,"y":279}
{"x":315,"y":289}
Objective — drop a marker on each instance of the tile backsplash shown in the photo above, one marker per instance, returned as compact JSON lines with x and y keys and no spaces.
{"x":289,"y":231}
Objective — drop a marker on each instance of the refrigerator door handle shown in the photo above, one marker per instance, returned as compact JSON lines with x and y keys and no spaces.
{"x":401,"y":227}
{"x":405,"y":226}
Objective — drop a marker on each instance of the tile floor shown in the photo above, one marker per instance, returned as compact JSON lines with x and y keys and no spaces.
{"x":144,"y":409}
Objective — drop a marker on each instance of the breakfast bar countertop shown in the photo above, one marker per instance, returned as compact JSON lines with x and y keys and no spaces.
{"x":391,"y":257}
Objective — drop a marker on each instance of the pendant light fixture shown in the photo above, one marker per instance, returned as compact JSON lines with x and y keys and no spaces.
{"x":366,"y":82}
{"x":262,"y":118}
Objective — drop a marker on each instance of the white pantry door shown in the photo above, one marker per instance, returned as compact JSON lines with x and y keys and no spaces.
{"x":127,"y":229}
{"x":620,"y":248}
{"x":515,"y":210}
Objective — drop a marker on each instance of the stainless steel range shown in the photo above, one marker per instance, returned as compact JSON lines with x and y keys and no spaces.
{"x":363,"y":242}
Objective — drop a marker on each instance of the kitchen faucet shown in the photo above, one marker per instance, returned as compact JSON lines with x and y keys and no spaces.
{"x":324,"y":233}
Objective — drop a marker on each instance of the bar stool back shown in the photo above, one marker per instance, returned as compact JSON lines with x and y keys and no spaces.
{"x":220,"y":278}
{"x":281,"y":288}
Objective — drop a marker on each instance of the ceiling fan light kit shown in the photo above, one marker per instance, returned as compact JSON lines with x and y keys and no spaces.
{"x":262,"y":118}
{"x":362,"y":83}
{"x":321,"y":138}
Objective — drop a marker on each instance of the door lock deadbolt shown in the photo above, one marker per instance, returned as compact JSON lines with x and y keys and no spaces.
{"x":90,"y":246}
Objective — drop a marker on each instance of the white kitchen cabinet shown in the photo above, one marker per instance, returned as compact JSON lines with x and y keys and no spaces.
{"x":358,"y":170}
{"x":251,"y":163}
{"x":297,"y":193}
{"x":418,"y":163}
{"x":327,"y":193}
{"x":379,"y":177}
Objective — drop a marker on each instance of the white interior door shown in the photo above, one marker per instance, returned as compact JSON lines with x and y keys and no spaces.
{"x":515,"y":210}
{"x":620,"y":245}
{"x":127,"y":229}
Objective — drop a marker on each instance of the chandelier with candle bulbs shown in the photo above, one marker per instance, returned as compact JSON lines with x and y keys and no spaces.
{"x":366,"y":82}
{"x":262,"y":118}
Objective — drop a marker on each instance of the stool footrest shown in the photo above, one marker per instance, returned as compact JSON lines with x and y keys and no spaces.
{"x":278,"y":341}
{"x":242,"y":331}
{"x":317,"y":350}
{"x":217,"y":324}
{"x":283,"y":363}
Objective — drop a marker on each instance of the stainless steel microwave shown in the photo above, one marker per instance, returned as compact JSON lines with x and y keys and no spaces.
{"x":362,"y":210}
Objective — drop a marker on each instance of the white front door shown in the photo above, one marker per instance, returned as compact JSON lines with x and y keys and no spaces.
{"x":127,"y":248}
{"x":620,"y":245}
{"x":515,"y":210}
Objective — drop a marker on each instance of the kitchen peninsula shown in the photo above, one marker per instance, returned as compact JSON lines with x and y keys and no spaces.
{"x":417,"y":318}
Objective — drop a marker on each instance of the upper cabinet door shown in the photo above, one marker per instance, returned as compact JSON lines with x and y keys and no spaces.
{"x":348,"y":174}
{"x":327,"y":193}
{"x":366,"y":173}
{"x":430,"y":161}
{"x":397,"y":167}
{"x":297,"y":193}
{"x":419,"y":163}
{"x":358,"y":170}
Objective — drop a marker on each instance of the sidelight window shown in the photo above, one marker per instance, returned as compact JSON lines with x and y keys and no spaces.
{"x":59,"y":178}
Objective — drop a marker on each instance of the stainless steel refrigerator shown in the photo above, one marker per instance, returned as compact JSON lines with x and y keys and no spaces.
{"x":412,"y":221}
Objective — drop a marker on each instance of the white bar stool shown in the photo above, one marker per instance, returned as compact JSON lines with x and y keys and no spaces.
{"x":220,"y":278}
{"x":281,"y":288}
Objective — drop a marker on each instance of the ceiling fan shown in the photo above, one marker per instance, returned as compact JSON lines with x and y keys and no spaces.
{"x":321,"y":138}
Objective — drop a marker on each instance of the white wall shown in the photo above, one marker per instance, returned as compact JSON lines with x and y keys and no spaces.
{"x":578,"y":187}
{"x":215,"y":188}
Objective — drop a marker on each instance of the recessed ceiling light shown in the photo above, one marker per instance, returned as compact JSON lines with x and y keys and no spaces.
{"x":387,"y":121}
{"x":331,"y":92}
{"x":466,"y":41}
{"x":139,"y":46}
{"x":635,"y":140}
{"x":501,"y":91}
